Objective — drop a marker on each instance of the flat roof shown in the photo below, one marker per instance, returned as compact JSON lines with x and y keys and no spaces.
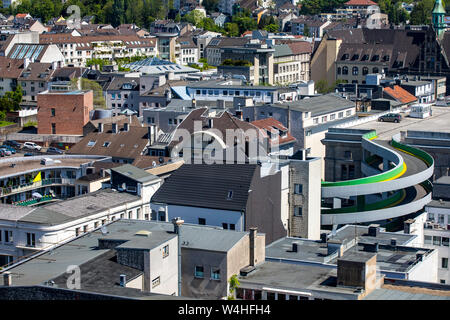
{"x":83,"y":249}
{"x":75,"y":208}
{"x":438,"y":204}
{"x":215,"y":84}
{"x":349,"y":232}
{"x":24,"y":165}
{"x":135,"y":173}
{"x":318,"y":105}
{"x":437,"y":122}
{"x":443,"y":180}
{"x":389,"y":292}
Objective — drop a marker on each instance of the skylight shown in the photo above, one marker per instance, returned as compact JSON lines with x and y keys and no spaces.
{"x":91,"y":143}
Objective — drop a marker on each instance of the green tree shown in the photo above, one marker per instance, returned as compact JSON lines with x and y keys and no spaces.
{"x":306,"y":31}
{"x":421,"y":13}
{"x":86,"y":84}
{"x":118,"y":12}
{"x":194,"y":17}
{"x":232,"y":29}
{"x":322,"y":86}
{"x":211,"y":5}
{"x":178,"y":18}
{"x":234,"y":284}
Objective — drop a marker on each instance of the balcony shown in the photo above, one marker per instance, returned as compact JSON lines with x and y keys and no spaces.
{"x":4,"y":191}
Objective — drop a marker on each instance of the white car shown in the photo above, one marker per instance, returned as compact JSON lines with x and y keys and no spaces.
{"x":32,"y":146}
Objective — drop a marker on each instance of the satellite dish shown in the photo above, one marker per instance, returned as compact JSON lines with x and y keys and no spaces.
{"x":104,"y":230}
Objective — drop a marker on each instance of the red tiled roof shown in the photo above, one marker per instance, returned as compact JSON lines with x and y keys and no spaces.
{"x":360,"y":3}
{"x":270,"y":124}
{"x":400,"y":94}
{"x":21,"y":15}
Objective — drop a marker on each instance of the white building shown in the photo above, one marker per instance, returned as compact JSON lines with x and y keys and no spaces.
{"x":26,"y":230}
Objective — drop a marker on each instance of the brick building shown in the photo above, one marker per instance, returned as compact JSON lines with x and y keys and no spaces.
{"x":64,"y":112}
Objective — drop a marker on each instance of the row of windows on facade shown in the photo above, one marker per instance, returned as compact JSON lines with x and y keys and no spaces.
{"x":119,"y":96}
{"x":440,"y":218}
{"x":252,"y":294}
{"x":232,"y":92}
{"x":9,"y":239}
{"x":332,"y":117}
{"x":355,"y":70}
{"x":436,"y":240}
{"x":226,"y":226}
{"x":287,"y":78}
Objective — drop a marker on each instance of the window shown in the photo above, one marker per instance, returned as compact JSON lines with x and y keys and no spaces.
{"x":298,"y":188}
{"x":427,"y":240}
{"x":224,"y":225}
{"x":170,"y":121}
{"x":347,"y":154}
{"x":225,"y":92}
{"x":445,"y":241}
{"x":53,"y":128}
{"x":332,"y":117}
{"x":106,"y":144}
{"x":348,"y":112}
{"x":197,"y":92}
{"x":96,"y":223}
{"x":31,"y":239}
{"x":156,"y":282}
{"x":232,"y":226}
{"x":344,"y":70}
{"x":339,"y":70}
{"x":53,"y":112}
{"x":324,"y":119}
{"x":215,"y":273}
{"x":130,"y":214}
{"x":440,"y":218}
{"x":165,"y":251}
{"x":308,"y":133}
{"x":316,"y":120}
{"x":375,"y":70}
{"x":198,"y":272}
{"x":355,"y":71}
{"x":8,"y":236}
{"x":340,"y":114}
{"x":365,"y":71}
{"x":85,"y":228}
{"x":436,"y":241}
{"x":202,"y":221}
{"x":444,"y":264}
{"x":77,"y":232}
{"x":442,"y":281}
{"x":298,"y":211}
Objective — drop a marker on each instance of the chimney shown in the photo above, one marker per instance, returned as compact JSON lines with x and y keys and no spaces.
{"x":370,"y":247}
{"x":114,"y":128}
{"x":122,"y":280}
{"x":333,"y":246}
{"x":373,"y":230}
{"x":253,"y":232}
{"x":393,"y":242}
{"x":7,"y":279}
{"x":294,"y":247}
{"x":126,"y":127}
{"x":100,"y":127}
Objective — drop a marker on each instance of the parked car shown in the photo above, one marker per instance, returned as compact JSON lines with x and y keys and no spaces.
{"x":391,"y":117}
{"x":13,"y":151}
{"x":55,"y":150}
{"x":12,"y":143}
{"x":28,"y":154}
{"x":6,"y":152}
{"x":32,"y":146}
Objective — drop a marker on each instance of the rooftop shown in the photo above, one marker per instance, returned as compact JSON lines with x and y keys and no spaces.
{"x":84,"y":251}
{"x":385,"y":130}
{"x":24,"y":165}
{"x":74,"y":208}
{"x":135,"y":173}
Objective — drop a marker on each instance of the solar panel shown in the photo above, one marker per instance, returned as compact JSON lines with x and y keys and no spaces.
{"x":23,"y":51}
{"x":13,"y":56}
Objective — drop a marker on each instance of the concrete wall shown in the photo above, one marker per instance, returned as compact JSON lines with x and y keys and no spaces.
{"x":427,"y":270}
{"x":166,"y":268}
{"x":323,"y":61}
{"x":264,"y":207}
{"x":205,"y":287}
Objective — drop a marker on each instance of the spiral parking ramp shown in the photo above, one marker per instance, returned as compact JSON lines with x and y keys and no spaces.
{"x":404,"y":187}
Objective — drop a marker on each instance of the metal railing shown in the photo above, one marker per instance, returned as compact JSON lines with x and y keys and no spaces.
{"x":4,"y":191}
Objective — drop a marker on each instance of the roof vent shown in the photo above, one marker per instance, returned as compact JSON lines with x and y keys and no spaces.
{"x":143,"y":233}
{"x":294,"y":247}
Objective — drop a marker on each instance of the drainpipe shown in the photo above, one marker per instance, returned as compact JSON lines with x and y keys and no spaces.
{"x":177,"y":222}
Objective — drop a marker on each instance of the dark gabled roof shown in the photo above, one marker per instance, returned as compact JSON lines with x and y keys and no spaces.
{"x":123,"y":144}
{"x":207,"y":186}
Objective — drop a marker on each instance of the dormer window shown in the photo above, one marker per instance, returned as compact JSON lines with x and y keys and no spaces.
{"x":376,"y":58}
{"x":386,"y":58}
{"x":344,"y":56}
{"x":365,"y":57}
{"x":106,"y":144}
{"x":355,"y":57}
